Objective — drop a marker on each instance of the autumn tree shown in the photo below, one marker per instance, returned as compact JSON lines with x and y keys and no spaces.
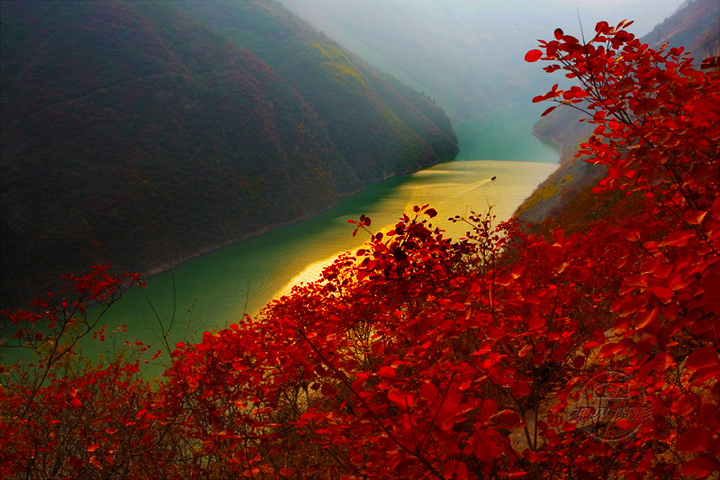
{"x":658,"y":131}
{"x":65,"y":415}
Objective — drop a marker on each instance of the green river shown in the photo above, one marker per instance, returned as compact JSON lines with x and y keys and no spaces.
{"x":217,"y":289}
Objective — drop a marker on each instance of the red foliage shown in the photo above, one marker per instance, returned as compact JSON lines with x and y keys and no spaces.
{"x":502,"y":355}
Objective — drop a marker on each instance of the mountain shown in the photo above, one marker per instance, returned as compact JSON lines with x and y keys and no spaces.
{"x":136,"y":135}
{"x":467,"y":55}
{"x":695,"y":26}
{"x":408,"y":131}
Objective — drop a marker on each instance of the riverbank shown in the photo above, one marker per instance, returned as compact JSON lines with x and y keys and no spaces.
{"x":160,"y":269}
{"x":217,"y":289}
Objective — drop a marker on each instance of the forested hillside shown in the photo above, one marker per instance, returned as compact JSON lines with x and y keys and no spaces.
{"x":135,"y":134}
{"x":408,"y":131}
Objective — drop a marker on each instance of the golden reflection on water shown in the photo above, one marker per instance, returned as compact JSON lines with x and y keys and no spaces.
{"x":215,"y":290}
{"x":454,"y":188}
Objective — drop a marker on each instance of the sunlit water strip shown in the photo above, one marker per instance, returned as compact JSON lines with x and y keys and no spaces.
{"x":217,"y":289}
{"x":454,"y":188}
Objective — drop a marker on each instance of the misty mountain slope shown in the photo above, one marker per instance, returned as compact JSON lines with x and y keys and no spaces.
{"x":695,"y":27}
{"x":380,"y":126}
{"x":423,"y":43}
{"x":132,"y":134}
{"x":467,"y":55}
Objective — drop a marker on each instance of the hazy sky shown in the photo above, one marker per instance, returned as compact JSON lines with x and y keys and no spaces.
{"x":468,"y":54}
{"x":645,"y":13}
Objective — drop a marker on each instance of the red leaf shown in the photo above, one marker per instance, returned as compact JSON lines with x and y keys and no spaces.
{"x":579,"y":361}
{"x":658,"y":364}
{"x":461,"y":471}
{"x":92,"y":448}
{"x":702,"y":357}
{"x":328,"y":390}
{"x":488,"y":408}
{"x":626,"y":424}
{"x":428,"y":392}
{"x":401,"y":399}
{"x":448,"y":470}
{"x":661,"y":270}
{"x":506,"y":418}
{"x":532,"y":456}
{"x":625,"y":85}
{"x":645,"y":106}
{"x":447,"y":414}
{"x":487,"y":444}
{"x":504,"y":279}
{"x":548,"y":110}
{"x":359,"y":382}
{"x":454,"y":471}
{"x":536,"y":322}
{"x":662,"y":293}
{"x":558,"y":34}
{"x":646,"y":318}
{"x":676,"y":239}
{"x":387,"y":372}
{"x":710,"y":62}
{"x":632,"y":305}
{"x":533,"y":55}
{"x":693,"y":440}
{"x":700,"y":467}
{"x":76,"y":402}
{"x":694,"y":217}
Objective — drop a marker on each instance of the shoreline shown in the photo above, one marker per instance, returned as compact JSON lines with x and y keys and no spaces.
{"x":168,"y":266}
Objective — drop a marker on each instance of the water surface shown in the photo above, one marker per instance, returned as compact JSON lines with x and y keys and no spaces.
{"x":217,"y":289}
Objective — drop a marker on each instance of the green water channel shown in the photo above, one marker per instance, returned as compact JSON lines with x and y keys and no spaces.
{"x":217,"y":289}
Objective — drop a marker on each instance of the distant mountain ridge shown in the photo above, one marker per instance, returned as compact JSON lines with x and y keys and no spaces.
{"x":135,"y":134}
{"x":693,"y":26}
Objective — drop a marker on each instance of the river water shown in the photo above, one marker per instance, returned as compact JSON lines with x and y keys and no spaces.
{"x":217,"y":289}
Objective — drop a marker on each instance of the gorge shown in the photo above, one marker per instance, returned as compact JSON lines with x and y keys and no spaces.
{"x":216,"y":289}
{"x":582,"y":344}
